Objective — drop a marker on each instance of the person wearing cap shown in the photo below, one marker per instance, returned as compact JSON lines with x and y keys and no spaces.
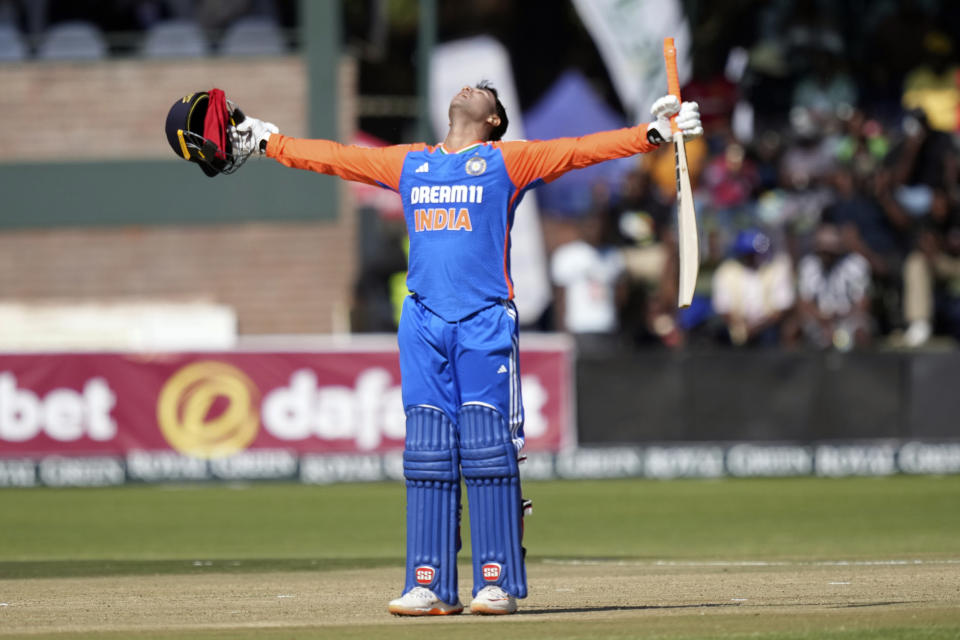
{"x":753,"y":291}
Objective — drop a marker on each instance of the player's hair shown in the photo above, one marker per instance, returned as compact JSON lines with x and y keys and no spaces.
{"x":498,"y":131}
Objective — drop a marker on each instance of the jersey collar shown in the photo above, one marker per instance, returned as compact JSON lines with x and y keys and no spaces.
{"x":469,"y":147}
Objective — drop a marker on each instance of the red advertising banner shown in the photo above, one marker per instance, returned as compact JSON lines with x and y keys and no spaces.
{"x":192,"y":408}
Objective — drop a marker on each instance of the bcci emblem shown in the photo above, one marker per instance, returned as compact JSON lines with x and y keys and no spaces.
{"x":476,"y":165}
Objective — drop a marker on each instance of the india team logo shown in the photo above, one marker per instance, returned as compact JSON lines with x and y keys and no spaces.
{"x":424,"y":574}
{"x":476,"y":165}
{"x":209,"y":410}
{"x":491,"y":571}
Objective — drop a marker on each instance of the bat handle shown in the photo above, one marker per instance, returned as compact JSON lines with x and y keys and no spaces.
{"x":673,"y":78}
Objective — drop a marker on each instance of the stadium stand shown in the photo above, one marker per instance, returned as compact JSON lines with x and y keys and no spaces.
{"x":253,"y":36}
{"x":12,"y":46}
{"x":73,"y":40}
{"x":175,"y":39}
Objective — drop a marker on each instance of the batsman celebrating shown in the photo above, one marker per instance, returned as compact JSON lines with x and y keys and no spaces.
{"x":458,"y":334}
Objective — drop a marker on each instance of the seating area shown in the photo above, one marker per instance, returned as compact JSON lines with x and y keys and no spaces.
{"x":171,"y":38}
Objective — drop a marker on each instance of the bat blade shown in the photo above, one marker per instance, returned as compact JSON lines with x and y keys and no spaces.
{"x":688,"y":241}
{"x":688,"y":244}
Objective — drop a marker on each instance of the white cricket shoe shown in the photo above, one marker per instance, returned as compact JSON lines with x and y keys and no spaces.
{"x":420,"y":601}
{"x":492,"y":600}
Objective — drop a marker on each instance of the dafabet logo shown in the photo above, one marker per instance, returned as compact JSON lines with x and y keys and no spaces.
{"x":209,"y":410}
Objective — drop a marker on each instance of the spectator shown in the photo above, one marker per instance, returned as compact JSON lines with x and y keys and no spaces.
{"x":805,"y":166}
{"x":730,"y":181}
{"x":753,"y":292}
{"x":866,"y":229}
{"x":934,"y":85}
{"x":862,"y":143}
{"x":640,"y":223}
{"x":662,"y":167}
{"x":808,"y":160}
{"x":827,"y":89}
{"x":588,"y":276}
{"x":931,"y":277}
{"x":924,"y":160}
{"x":834,"y":287}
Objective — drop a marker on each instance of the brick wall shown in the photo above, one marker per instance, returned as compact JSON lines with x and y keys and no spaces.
{"x":117,"y":108}
{"x":279,"y":277}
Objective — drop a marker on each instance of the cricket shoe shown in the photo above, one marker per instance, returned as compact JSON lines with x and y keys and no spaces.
{"x":420,"y":601}
{"x":492,"y":600}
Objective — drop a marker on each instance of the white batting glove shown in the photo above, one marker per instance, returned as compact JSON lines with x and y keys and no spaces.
{"x":688,"y":119}
{"x":251,"y":135}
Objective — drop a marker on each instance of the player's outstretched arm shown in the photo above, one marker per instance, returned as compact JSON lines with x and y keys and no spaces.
{"x":379,"y":166}
{"x":549,"y":159}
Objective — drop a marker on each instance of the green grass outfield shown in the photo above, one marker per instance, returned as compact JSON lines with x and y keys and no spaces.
{"x":167,"y":529}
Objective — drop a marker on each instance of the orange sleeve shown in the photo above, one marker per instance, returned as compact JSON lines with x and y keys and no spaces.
{"x":550,"y":159}
{"x":379,"y":166}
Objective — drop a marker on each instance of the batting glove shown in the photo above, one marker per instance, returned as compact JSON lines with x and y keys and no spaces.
{"x":251,"y":135}
{"x":688,"y":119}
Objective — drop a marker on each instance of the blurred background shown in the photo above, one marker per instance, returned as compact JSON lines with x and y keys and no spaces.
{"x":827,"y":189}
{"x":827,"y":182}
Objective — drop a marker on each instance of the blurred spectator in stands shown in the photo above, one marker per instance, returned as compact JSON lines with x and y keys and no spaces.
{"x":866,"y":229}
{"x":588,"y":278}
{"x":862,"y":142}
{"x":808,"y":160}
{"x":924,"y":172}
{"x":893,"y":45}
{"x":753,"y":292}
{"x":729,"y":182}
{"x":805,"y":166}
{"x":827,"y":89}
{"x":382,"y":258}
{"x":765,"y":153}
{"x":662,"y":167}
{"x":934,"y":86}
{"x":926,"y":159}
{"x":931,"y":276}
{"x":834,"y":286}
{"x":640,"y":223}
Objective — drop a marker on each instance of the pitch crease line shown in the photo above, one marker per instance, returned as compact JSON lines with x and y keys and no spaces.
{"x":754,"y":563}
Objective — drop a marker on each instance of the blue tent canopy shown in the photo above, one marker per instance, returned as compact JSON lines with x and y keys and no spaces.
{"x":571,"y":107}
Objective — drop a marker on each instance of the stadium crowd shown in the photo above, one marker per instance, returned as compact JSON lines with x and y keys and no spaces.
{"x":831,"y":222}
{"x":827,"y":186}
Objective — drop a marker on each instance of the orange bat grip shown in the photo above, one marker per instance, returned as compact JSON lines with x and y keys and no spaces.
{"x":673,"y":78}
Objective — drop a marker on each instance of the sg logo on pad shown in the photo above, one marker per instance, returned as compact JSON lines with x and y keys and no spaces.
{"x":425,"y":574}
{"x":491,"y":571}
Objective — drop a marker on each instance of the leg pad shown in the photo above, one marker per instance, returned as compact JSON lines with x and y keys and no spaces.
{"x":431,"y":469}
{"x":489,"y":462}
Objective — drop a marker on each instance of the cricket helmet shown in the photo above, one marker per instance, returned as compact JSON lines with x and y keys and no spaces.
{"x":198,"y":130}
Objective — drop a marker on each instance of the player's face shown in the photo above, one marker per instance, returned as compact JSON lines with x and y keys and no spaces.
{"x":477,"y":104}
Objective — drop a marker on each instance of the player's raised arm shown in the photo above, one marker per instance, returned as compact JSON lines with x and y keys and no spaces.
{"x":379,"y":166}
{"x":549,"y":159}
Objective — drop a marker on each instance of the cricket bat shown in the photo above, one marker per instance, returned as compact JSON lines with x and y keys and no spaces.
{"x":688,"y":243}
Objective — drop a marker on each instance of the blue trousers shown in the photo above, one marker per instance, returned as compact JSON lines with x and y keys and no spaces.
{"x":449,"y":364}
{"x":461,"y":391}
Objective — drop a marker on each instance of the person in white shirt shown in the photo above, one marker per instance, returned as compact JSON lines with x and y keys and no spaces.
{"x":589,"y":279}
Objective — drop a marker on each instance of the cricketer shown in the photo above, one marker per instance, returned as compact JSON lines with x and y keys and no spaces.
{"x":458,"y":334}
